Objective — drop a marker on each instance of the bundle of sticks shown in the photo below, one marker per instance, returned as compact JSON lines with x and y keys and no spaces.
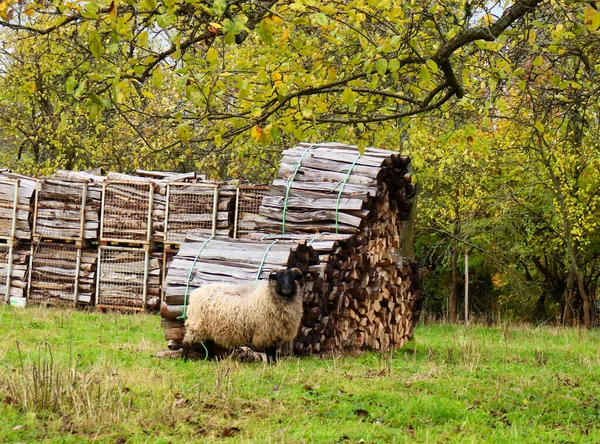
{"x":332,"y":188}
{"x":355,"y":210}
{"x":128,"y":278}
{"x":202,"y":260}
{"x":19,"y":215}
{"x":16,"y":260}
{"x":62,"y":274}
{"x":67,"y":207}
{"x":191,"y":210}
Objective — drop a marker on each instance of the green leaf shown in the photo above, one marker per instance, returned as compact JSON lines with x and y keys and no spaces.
{"x":592,"y":18}
{"x":349,"y":97}
{"x":30,"y":87}
{"x":424,"y":73}
{"x":70,"y":84}
{"x":539,"y":126}
{"x":219,"y":6}
{"x":212,"y":55}
{"x":321,"y":19}
{"x":394,"y":65}
{"x":184,"y":133}
{"x":433,"y":67}
{"x":143,"y":39}
{"x":95,"y":43}
{"x":157,"y":77}
{"x":265,"y":31}
{"x":381,"y":66}
{"x":276,"y":134}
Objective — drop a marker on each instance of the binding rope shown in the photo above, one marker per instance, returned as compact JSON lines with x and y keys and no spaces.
{"x":337,"y":203}
{"x":288,"y":186}
{"x":262,"y":263}
{"x":315,"y":238}
{"x":187,"y":284}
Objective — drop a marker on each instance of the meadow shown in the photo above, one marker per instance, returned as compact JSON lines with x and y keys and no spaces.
{"x":71,"y":376}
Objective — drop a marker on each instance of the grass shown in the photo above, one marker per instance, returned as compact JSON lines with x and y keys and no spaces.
{"x":74,"y":376}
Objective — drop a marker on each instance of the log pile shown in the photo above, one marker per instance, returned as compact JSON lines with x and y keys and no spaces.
{"x":247,"y":206}
{"x":13,"y":287}
{"x":128,"y":278}
{"x":316,"y":174}
{"x":198,"y":209}
{"x":19,"y":215}
{"x":223,"y":260}
{"x":61,"y":274}
{"x":361,"y":293}
{"x":67,"y":207}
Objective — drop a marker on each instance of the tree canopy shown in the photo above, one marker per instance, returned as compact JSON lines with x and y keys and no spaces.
{"x":495,"y":102}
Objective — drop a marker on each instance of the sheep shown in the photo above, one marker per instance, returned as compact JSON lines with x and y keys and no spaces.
{"x":263,"y":314}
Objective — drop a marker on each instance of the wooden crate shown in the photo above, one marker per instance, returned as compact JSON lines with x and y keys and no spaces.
{"x":128,"y":278}
{"x":127,"y":212}
{"x":66,"y":209}
{"x":192,"y":208}
{"x":16,"y":198}
{"x":247,"y":205}
{"x":61,"y":274}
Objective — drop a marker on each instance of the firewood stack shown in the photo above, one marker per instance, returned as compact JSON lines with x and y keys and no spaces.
{"x":370,"y":296}
{"x":224,"y":260}
{"x":17,"y":256}
{"x":62,"y":267}
{"x":19,"y":214}
{"x":68,"y":207}
{"x":17,"y":195}
{"x":61,"y":274}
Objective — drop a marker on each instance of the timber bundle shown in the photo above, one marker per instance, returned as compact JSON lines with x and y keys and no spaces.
{"x":82,"y":238}
{"x":354,"y":212}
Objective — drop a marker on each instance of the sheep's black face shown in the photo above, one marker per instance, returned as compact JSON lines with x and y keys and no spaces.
{"x":285,"y":282}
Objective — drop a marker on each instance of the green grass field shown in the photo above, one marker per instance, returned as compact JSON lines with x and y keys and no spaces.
{"x":73,"y":376}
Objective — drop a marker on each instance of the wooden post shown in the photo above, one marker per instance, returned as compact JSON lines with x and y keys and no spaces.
{"x":215,"y":209}
{"x":235,"y":215}
{"x":168,"y":204}
{"x":466,"y":284}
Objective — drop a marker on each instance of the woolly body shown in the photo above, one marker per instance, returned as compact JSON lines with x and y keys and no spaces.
{"x":232,"y":315}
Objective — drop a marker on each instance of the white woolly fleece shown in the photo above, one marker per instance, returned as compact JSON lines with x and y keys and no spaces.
{"x":242,"y":314}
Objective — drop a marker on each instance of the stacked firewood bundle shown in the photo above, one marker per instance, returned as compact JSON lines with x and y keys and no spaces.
{"x":247,"y":205}
{"x":14,"y":262}
{"x":203,"y":260}
{"x":198,"y":209}
{"x":62,"y":274}
{"x":332,"y":187}
{"x":366,"y":293}
{"x":16,"y":206}
{"x":68,"y":207}
{"x":133,"y":209}
{"x":128,"y":278}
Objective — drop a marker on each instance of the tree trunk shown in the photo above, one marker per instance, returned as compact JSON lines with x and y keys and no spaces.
{"x":466,"y":284}
{"x":453,"y":286}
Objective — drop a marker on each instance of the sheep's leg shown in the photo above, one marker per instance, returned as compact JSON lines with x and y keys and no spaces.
{"x":271,"y":353}
{"x":186,"y":351}
{"x":209,"y":348}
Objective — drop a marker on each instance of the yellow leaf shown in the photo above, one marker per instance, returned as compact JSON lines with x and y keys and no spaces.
{"x":256,"y":133}
{"x":212,"y":55}
{"x":331,"y":73}
{"x":30,"y":87}
{"x":592,"y":18}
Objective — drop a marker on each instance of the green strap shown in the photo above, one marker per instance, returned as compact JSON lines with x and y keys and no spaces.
{"x":288,"y":186}
{"x":315,"y":238}
{"x":187,"y":285}
{"x":337,"y":203}
{"x":262,"y":263}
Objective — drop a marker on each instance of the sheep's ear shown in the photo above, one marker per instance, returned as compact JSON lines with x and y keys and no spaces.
{"x":297,"y":273}
{"x":273,"y":276}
